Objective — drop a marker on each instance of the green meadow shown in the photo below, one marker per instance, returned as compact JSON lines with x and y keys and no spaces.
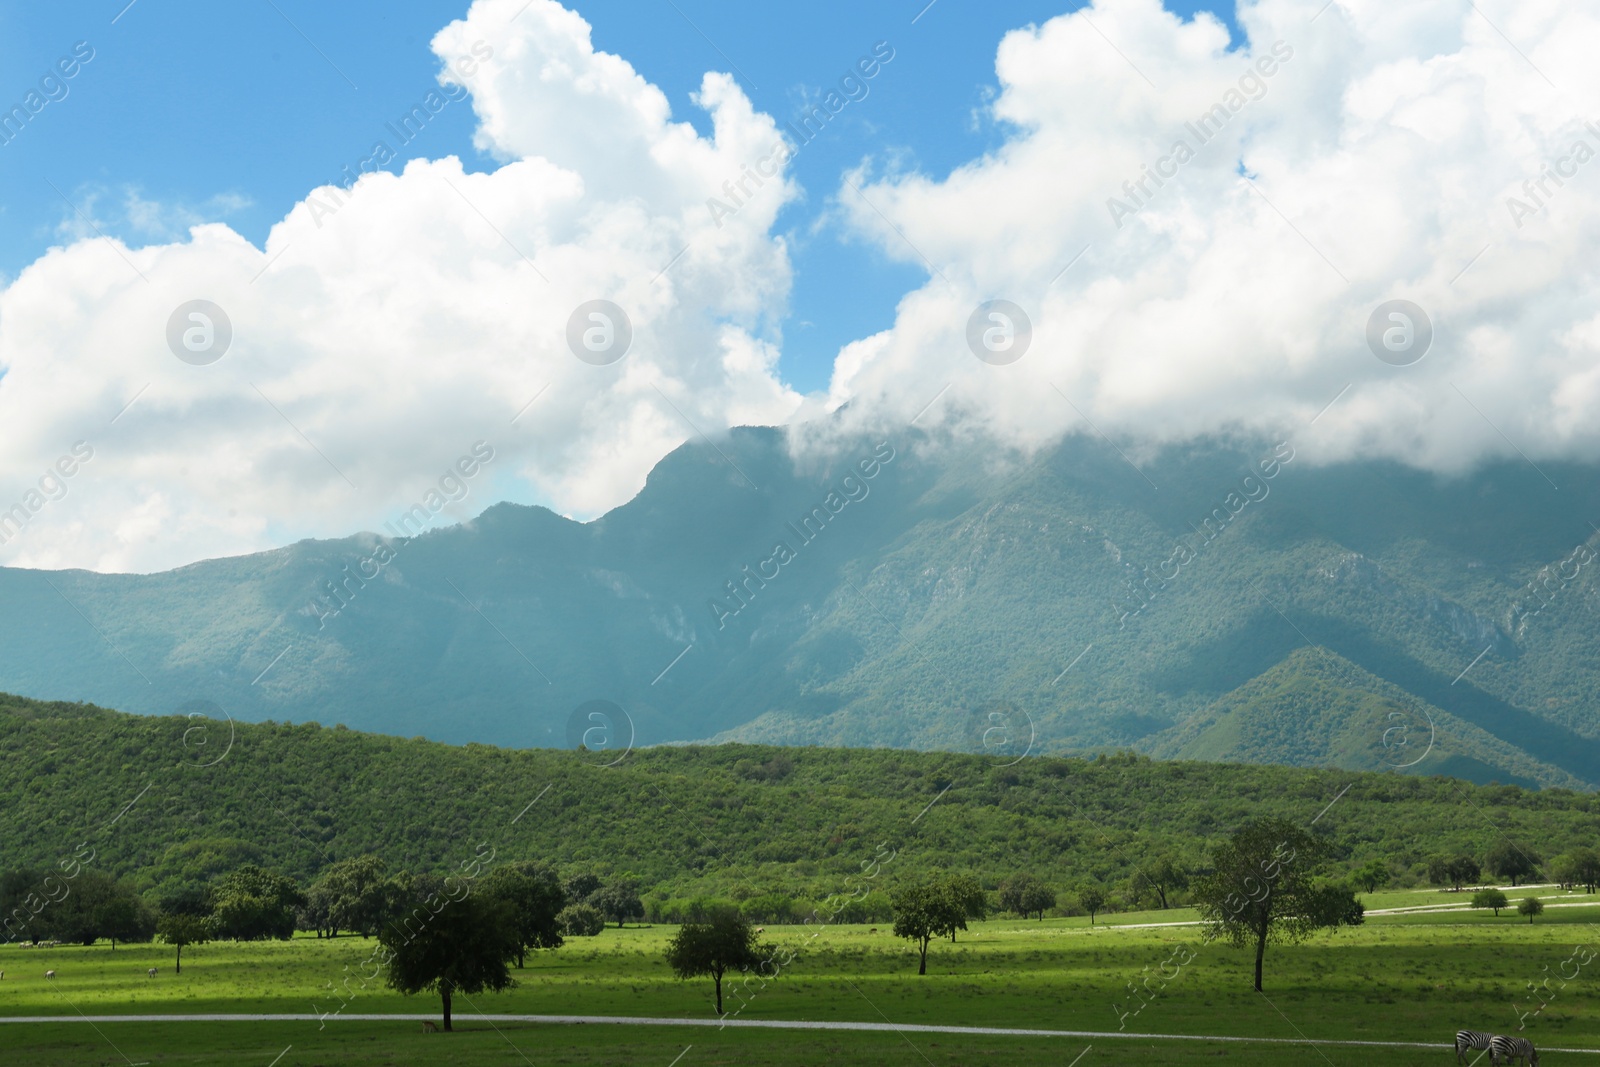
{"x":1400,"y":977}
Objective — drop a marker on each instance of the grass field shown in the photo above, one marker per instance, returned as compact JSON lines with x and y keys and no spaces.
{"x":1403,"y":977}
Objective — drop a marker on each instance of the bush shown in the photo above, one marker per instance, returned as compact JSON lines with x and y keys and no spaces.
{"x":581,"y":920}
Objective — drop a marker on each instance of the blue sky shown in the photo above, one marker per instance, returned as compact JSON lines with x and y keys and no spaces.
{"x":234,"y":112}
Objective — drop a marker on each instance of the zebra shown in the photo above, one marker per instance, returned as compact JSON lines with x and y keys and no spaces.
{"x":1467,"y":1040}
{"x":1512,"y":1050}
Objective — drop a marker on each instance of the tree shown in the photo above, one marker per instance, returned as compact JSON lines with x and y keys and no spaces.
{"x":1453,"y":871}
{"x":1261,"y":889}
{"x":535,"y":898}
{"x":1091,"y":899}
{"x":712,"y":943}
{"x":1511,"y":860}
{"x":1489,"y":898}
{"x":618,"y":902}
{"x":178,"y":930}
{"x":580,"y":887}
{"x":1530,"y":906}
{"x":1024,"y":895}
{"x":1371,"y":877}
{"x":96,"y":905}
{"x":316,"y":913}
{"x":768,"y":908}
{"x":924,"y":911}
{"x":252,"y":904}
{"x":1160,"y":877}
{"x":465,"y":946}
{"x":581,"y":920}
{"x":1581,"y":866}
{"x":353,"y":894}
{"x":967,"y":895}
{"x":122,"y":916}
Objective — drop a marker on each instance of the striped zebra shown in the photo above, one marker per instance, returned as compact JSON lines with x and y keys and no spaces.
{"x":1468,"y":1040}
{"x":1512,"y":1050}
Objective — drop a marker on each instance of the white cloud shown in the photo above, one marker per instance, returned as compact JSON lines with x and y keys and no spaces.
{"x":1382,"y":153}
{"x":390,"y":325}
{"x":395,"y":323}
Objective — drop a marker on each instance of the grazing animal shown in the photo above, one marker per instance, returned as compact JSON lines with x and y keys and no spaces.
{"x":429,"y":1028}
{"x":50,"y":976}
{"x":1468,"y":1040}
{"x":761,"y":929}
{"x":152,"y":972}
{"x":873,"y":930}
{"x":1512,"y":1050}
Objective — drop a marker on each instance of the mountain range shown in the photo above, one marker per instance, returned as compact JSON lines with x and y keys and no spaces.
{"x":1227,"y":601}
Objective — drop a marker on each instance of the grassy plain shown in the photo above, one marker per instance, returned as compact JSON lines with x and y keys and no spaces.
{"x":1403,"y":977}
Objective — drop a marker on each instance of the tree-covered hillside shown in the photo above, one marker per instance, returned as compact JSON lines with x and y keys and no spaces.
{"x":170,"y":800}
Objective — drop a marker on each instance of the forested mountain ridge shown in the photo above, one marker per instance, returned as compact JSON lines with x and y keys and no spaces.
{"x":170,"y":801}
{"x":1084,"y":602}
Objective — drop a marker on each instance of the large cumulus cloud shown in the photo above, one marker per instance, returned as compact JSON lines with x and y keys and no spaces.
{"x":386,"y":327}
{"x":1369,"y":152}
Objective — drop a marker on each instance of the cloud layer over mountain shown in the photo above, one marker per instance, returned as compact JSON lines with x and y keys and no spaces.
{"x":1200,"y":236}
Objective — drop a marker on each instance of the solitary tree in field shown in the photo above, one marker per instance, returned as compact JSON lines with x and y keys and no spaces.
{"x":252,"y":904}
{"x":618,"y":902}
{"x":1490,"y":898}
{"x":1261,"y":889}
{"x":465,"y":947}
{"x":1160,"y":877}
{"x":123,"y":916}
{"x":1091,"y":899}
{"x":1026,"y":895}
{"x":179,"y":930}
{"x":924,"y":911}
{"x":714,"y":943}
{"x":353,"y":894}
{"x":1530,"y":906}
{"x":1454,"y":872}
{"x":1371,"y":877}
{"x":1511,"y":860}
{"x":535,"y":898}
{"x":967,"y":895}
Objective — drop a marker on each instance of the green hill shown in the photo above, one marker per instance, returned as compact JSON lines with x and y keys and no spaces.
{"x":1316,"y":709}
{"x":169,"y":800}
{"x":744,"y":595}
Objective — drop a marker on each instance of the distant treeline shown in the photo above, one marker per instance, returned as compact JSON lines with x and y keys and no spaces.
{"x":167,"y":807}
